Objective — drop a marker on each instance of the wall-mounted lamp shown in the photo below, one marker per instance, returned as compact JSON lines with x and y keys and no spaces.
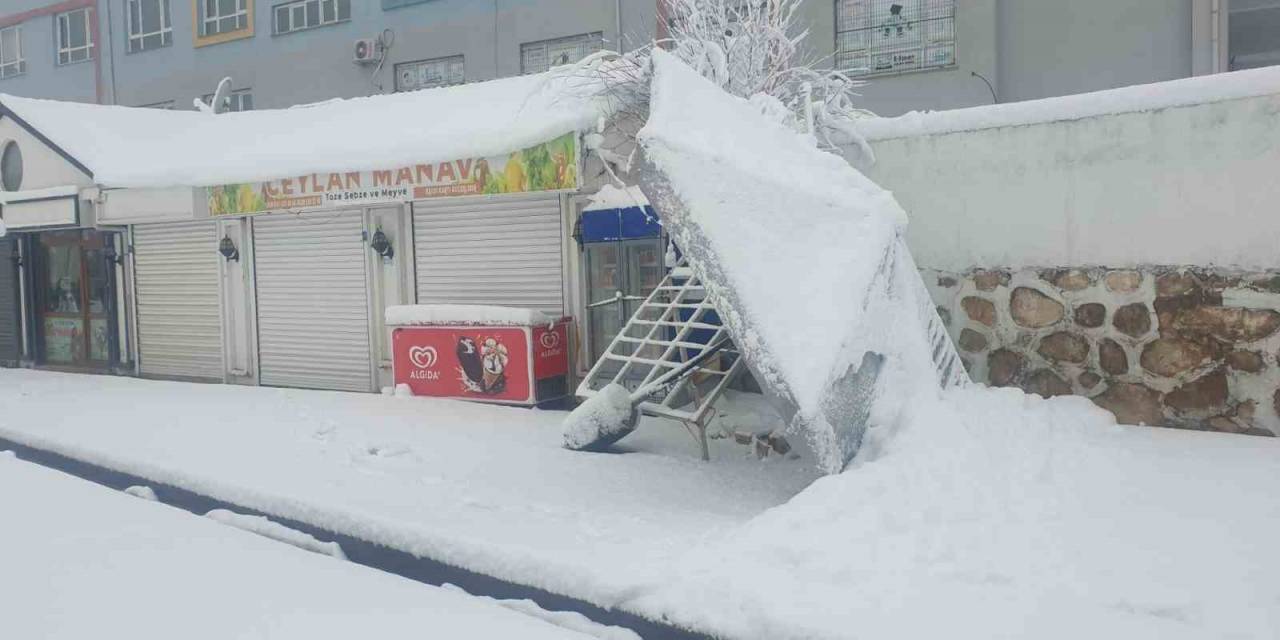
{"x":228,"y":249}
{"x":382,"y":245}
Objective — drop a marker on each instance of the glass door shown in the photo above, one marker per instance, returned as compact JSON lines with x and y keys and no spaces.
{"x":74,"y":290}
{"x":620,"y":275}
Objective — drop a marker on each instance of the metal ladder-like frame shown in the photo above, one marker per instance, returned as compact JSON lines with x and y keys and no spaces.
{"x":655,"y":340}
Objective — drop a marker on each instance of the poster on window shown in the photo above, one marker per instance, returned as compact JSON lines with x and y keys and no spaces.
{"x":546,"y":166}
{"x":99,"y":339}
{"x":63,"y":340}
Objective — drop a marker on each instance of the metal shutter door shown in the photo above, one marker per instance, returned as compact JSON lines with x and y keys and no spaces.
{"x":179,"y":311}
{"x":503,"y":250}
{"x":10,"y":331}
{"x":313,"y":309}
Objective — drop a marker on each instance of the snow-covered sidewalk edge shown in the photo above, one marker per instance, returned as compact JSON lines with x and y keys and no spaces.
{"x":416,"y":543}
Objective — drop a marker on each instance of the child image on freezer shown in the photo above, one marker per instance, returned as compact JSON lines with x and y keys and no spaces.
{"x":483,"y":369}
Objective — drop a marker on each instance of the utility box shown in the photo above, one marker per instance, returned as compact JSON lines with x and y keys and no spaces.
{"x":486,"y":354}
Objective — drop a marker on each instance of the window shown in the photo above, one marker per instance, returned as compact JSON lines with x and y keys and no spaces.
{"x":11,"y":61}
{"x":11,"y":167}
{"x":75,"y":39}
{"x":308,"y":14}
{"x":1253,"y":34}
{"x":884,"y":36}
{"x":167,"y":104}
{"x":424,"y":74}
{"x":149,"y":25}
{"x":239,"y":100}
{"x":536,"y":57}
{"x":223,"y":16}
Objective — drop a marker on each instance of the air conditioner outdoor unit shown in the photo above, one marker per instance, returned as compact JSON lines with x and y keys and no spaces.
{"x":366,"y":50}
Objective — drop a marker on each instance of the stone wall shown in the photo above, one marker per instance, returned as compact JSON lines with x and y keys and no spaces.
{"x":1187,"y":348}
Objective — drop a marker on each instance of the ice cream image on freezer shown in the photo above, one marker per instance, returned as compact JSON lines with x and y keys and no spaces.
{"x":469,"y":365}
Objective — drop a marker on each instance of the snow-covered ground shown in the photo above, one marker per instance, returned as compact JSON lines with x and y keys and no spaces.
{"x":976,"y":514}
{"x":84,"y":561}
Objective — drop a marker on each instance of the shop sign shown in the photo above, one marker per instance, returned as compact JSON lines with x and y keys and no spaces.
{"x":548,"y":166}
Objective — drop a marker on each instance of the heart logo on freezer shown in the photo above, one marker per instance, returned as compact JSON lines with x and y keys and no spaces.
{"x":422,"y":357}
{"x":550,"y":340}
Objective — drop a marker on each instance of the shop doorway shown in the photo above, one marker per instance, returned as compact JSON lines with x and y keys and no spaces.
{"x":75,"y":293}
{"x":623,"y":259}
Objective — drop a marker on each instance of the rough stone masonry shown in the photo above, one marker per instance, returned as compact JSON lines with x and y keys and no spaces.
{"x":1161,"y":346}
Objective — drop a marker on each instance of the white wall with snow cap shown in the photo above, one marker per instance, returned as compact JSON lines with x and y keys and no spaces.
{"x":1176,"y":173}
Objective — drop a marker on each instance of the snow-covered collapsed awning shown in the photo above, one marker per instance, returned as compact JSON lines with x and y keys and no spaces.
{"x":126,"y":147}
{"x":801,"y":255}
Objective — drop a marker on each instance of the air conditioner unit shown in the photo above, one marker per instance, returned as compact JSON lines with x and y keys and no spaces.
{"x":366,"y":50}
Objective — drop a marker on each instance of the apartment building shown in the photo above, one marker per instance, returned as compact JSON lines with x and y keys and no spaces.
{"x":916,"y":54}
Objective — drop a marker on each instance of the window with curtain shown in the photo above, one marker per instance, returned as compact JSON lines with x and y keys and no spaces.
{"x":11,"y":61}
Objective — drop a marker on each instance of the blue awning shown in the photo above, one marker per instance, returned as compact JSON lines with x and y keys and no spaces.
{"x":611,"y":225}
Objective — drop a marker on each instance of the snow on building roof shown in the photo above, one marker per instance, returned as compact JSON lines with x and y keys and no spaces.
{"x":1144,"y":97}
{"x":136,"y":147}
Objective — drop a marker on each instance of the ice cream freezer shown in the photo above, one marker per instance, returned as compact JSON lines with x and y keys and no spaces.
{"x":488,"y":354}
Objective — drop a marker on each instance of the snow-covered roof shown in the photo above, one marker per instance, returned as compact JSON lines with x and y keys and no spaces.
{"x":1144,"y":97}
{"x":136,"y":147}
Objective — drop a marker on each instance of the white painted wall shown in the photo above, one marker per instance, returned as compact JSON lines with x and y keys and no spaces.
{"x":1185,"y":185}
{"x":42,"y":167}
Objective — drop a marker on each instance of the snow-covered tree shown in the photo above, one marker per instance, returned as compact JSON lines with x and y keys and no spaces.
{"x":752,"y":49}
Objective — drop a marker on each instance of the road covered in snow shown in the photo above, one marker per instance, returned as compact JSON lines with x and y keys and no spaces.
{"x":975,"y":514}
{"x":84,"y":561}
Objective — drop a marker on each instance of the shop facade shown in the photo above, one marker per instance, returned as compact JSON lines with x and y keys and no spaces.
{"x":284,"y":281}
{"x":61,"y":302}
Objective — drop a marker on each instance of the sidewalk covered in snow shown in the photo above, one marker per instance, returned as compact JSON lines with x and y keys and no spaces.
{"x":978,"y":514}
{"x":82,"y":561}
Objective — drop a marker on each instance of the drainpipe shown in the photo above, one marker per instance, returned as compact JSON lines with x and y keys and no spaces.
{"x":1215,"y":36}
{"x":617,"y":20}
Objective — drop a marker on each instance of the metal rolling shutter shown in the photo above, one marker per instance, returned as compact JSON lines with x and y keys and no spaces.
{"x":503,"y":250}
{"x":179,"y":312}
{"x":10,"y":329}
{"x":313,"y":309}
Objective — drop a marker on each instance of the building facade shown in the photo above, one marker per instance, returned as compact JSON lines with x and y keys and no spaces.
{"x":915,"y":54}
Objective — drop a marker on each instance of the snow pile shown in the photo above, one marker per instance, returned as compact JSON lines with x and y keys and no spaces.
{"x":276,"y":531}
{"x":800,"y":252}
{"x":142,"y":491}
{"x":1144,"y":97}
{"x":133,"y":147}
{"x":464,"y":314}
{"x":611,"y":197}
{"x":565,"y":619}
{"x":601,"y":420}
{"x":989,"y":513}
